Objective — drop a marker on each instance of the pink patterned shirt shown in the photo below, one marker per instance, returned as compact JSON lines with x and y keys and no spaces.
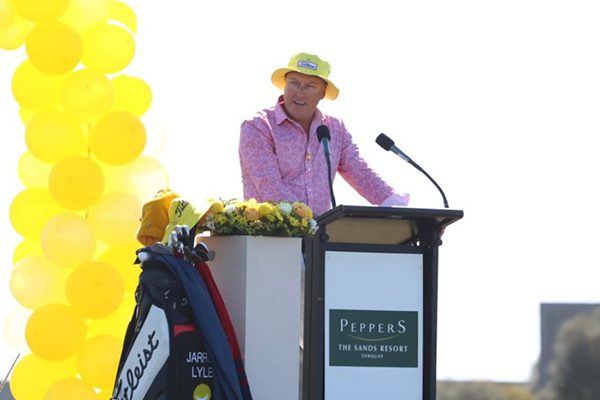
{"x":279,"y":163}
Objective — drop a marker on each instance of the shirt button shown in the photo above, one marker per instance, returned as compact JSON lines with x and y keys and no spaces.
{"x":308,"y":157}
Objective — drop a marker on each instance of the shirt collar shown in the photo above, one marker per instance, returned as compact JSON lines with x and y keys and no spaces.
{"x":280,"y":114}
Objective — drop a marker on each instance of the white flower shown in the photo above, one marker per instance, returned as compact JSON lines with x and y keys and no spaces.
{"x":286,"y":208}
{"x":313,"y":226}
{"x":230,"y":208}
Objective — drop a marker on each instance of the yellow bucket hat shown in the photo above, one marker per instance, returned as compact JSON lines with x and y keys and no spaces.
{"x":307,"y":64}
{"x":155,"y":217}
{"x":182,"y":212}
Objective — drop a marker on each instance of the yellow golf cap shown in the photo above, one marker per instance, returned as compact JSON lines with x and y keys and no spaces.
{"x":182,"y":213}
{"x":155,"y":217}
{"x":307,"y":64}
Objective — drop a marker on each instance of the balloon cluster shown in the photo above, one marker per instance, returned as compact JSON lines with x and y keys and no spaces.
{"x":85,"y":178}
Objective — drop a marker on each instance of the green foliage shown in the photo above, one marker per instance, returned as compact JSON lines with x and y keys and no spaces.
{"x":574,"y":373}
{"x":480,"y":390}
{"x":269,"y":218}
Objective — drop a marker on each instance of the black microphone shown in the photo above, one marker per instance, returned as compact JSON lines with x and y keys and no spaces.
{"x":388,"y":144}
{"x":324,"y":137}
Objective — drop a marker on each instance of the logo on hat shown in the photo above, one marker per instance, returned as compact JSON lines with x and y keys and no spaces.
{"x":307,"y":64}
{"x":181,"y":207}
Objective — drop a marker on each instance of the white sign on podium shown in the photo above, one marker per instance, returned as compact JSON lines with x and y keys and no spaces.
{"x":373,"y":325}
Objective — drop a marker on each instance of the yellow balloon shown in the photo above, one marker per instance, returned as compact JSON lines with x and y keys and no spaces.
{"x":35,"y":282}
{"x":107,"y":48}
{"x":26,"y":248}
{"x":25,"y":115}
{"x":55,"y":48}
{"x":68,"y":240}
{"x":7,"y":14}
{"x":76,"y":182}
{"x":121,"y":12}
{"x":115,"y":218}
{"x":101,"y":247}
{"x":118,"y":138}
{"x":82,"y":14}
{"x":32,"y":171}
{"x":55,"y":332}
{"x":116,"y":179}
{"x":105,"y":394}
{"x":51,"y":136}
{"x":87,"y":95}
{"x":34,"y":89}
{"x":41,"y":11}
{"x":71,"y":389}
{"x":142,"y":178}
{"x":33,"y":376}
{"x":95,"y":289}
{"x":98,"y":359}
{"x":123,"y":258}
{"x":14,"y":35}
{"x":30,"y":210}
{"x":132,"y":95}
{"x":116,"y":323}
{"x":148,"y":175}
{"x":14,"y":329}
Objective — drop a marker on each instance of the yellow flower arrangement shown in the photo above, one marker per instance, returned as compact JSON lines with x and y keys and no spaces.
{"x":248,"y":217}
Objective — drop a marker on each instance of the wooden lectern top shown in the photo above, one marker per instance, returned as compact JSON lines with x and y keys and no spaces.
{"x":383,"y":225}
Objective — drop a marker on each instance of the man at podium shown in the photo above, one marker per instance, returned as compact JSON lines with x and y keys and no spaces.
{"x":281,"y":157}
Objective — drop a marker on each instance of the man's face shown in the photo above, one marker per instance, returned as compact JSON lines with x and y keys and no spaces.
{"x":302,"y":94}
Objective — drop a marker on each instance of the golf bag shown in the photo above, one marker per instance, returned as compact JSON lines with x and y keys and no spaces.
{"x":162,"y":345}
{"x":175,"y":347}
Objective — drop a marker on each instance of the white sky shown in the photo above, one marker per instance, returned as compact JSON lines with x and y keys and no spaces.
{"x":497,"y":100}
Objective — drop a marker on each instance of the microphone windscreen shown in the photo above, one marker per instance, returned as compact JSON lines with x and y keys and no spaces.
{"x":323,"y":133}
{"x":384,"y":141}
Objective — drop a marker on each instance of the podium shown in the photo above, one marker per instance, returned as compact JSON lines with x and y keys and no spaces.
{"x":259,"y":279}
{"x":371,"y":303}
